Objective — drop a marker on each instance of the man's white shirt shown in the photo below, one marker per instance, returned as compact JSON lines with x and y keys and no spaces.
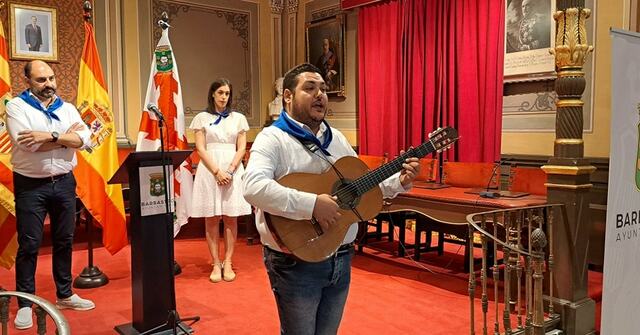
{"x":275,"y":154}
{"x":29,"y":162}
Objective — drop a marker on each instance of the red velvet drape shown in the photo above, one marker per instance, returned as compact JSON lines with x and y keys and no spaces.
{"x":379,"y":32}
{"x":427,"y":63}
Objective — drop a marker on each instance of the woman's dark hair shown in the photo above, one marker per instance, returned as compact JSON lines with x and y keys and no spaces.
{"x":211,"y":107}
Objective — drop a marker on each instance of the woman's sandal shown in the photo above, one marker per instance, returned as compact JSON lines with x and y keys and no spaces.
{"x":216,"y":274}
{"x":227,"y":273}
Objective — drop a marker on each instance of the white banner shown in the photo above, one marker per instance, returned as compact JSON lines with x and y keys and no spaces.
{"x":621,"y":288}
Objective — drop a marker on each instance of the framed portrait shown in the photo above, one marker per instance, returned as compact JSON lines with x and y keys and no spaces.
{"x":529,"y":102}
{"x":33,"y":32}
{"x":325,"y":49}
{"x":529,"y":35}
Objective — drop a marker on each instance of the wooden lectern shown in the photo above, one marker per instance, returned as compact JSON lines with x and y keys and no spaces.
{"x":152,"y":282}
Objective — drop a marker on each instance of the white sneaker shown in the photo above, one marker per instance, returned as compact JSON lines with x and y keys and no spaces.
{"x":76,"y":303}
{"x":24,"y":318}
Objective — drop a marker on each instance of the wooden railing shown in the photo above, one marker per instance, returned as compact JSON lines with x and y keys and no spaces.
{"x":516,"y":253}
{"x":41,"y":310}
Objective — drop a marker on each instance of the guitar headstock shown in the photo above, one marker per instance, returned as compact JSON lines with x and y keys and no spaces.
{"x":443,"y":138}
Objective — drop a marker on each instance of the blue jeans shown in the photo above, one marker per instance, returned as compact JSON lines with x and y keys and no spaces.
{"x":310,"y":296}
{"x":35,"y":197}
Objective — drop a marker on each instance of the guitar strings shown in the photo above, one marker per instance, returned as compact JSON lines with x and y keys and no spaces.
{"x":371,"y":176}
{"x":341,"y":176}
{"x":349,"y":189}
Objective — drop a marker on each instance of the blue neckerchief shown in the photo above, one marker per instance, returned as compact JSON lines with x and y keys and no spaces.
{"x":303,"y":135}
{"x":35,"y":103}
{"x":224,"y":114}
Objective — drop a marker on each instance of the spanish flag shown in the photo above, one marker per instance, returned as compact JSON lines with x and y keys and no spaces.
{"x":97,"y":164}
{"x":8,"y":235}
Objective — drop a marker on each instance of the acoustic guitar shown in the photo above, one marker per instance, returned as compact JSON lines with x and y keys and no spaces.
{"x":358,"y":194}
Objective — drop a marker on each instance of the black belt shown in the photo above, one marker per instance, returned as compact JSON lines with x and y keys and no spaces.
{"x":51,"y":179}
{"x":341,"y":250}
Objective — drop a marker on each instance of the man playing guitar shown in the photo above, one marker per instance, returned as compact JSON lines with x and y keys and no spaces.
{"x":310,"y":295}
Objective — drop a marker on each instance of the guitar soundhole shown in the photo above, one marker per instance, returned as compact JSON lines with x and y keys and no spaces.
{"x":347,"y":194}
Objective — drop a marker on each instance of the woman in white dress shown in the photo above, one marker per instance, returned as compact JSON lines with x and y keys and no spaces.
{"x":221,"y":141}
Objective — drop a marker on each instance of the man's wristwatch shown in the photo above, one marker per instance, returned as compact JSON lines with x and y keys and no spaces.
{"x":54,"y":136}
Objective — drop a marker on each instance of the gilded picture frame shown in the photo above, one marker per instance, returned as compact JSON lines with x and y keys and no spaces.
{"x":326,"y":49}
{"x":34,"y":33}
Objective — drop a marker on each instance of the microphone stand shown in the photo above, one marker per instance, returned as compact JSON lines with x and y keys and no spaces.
{"x":173,"y":322}
{"x":492,"y":194}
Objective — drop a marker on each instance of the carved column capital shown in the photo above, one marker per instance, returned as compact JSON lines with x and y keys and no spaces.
{"x":276,"y":6}
{"x":292,"y":6}
{"x":571,"y":47}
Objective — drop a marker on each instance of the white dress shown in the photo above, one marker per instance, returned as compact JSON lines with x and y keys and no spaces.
{"x":210,"y":199}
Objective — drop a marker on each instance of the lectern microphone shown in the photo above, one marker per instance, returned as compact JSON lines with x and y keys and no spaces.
{"x":153,"y":108}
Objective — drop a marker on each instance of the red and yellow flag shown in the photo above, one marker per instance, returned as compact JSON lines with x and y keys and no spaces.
{"x":8,"y":235}
{"x":97,"y":165}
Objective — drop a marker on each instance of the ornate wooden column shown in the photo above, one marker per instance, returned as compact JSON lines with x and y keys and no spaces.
{"x":291,"y":28}
{"x":569,"y":173}
{"x":276,"y":33}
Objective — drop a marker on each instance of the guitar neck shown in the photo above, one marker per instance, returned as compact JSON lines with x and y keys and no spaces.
{"x":372,"y":178}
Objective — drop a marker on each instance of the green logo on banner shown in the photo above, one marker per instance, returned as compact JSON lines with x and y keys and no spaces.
{"x":164,"y":59}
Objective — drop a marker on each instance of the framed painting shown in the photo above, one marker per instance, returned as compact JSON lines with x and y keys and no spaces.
{"x":529,"y":35}
{"x":529,"y":102}
{"x":33,"y":32}
{"x":325,"y":49}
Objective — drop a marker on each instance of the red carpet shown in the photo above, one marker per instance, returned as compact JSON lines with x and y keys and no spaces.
{"x":388,"y":295}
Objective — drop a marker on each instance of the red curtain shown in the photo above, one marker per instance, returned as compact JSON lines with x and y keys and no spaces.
{"x":383,"y":125}
{"x":449,"y":57}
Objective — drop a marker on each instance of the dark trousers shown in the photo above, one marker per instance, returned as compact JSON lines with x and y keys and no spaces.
{"x":35,"y":197}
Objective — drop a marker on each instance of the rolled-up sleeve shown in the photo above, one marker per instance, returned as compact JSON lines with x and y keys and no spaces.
{"x":391,"y":186}
{"x":16,"y":122}
{"x":263,"y":191}
{"x":85,"y":133}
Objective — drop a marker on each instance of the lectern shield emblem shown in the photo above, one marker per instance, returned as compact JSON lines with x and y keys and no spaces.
{"x":156,"y":184}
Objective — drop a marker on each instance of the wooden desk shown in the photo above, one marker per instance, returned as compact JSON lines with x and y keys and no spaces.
{"x":451,"y":205}
{"x":445,"y":211}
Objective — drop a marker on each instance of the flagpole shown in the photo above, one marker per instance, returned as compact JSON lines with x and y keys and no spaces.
{"x":174,"y":322}
{"x":91,"y":276}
